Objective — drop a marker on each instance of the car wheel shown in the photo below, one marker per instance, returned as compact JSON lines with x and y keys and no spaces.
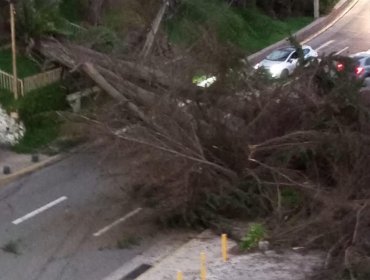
{"x":284,"y":74}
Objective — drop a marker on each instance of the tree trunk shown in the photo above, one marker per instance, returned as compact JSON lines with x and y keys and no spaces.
{"x":71,"y":55}
{"x":95,"y":10}
{"x":91,"y":71}
{"x":153,"y":30}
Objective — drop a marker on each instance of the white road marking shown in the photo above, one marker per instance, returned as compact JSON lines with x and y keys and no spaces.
{"x":39,"y":210}
{"x":120,"y":220}
{"x":325,"y":45}
{"x":342,"y":50}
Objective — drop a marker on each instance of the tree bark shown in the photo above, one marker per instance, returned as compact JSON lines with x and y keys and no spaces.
{"x":95,"y":10}
{"x":71,"y":55}
{"x":153,"y":30}
{"x":91,"y":71}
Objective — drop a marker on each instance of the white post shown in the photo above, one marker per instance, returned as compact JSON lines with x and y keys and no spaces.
{"x":316,"y":8}
{"x":14,"y":50}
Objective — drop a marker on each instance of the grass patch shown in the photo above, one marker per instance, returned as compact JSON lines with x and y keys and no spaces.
{"x":37,"y":111}
{"x":248,"y":29}
{"x":25,"y":66}
{"x":7,"y":100}
{"x":43,"y":130}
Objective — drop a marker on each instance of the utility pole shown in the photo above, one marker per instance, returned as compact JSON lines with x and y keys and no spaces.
{"x":316,"y":8}
{"x":14,"y":48}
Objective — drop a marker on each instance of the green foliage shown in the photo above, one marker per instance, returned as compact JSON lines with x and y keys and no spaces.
{"x":290,"y":198}
{"x":327,"y":5}
{"x":124,"y":18}
{"x":39,"y":17}
{"x":101,"y":39}
{"x":40,"y":131}
{"x":256,"y":233}
{"x":47,"y":99}
{"x":7,"y":100}
{"x":248,"y":29}
{"x":73,"y":10}
{"x":25,"y":66}
{"x":37,"y":111}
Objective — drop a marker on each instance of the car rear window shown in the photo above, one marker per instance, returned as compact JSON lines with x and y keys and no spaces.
{"x":358,"y":58}
{"x":279,"y":55}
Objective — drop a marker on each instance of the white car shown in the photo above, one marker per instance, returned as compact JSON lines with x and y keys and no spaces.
{"x":282,"y":62}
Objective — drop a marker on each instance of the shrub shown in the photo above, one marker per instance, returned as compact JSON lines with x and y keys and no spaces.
{"x":256,"y":233}
{"x":37,"y":111}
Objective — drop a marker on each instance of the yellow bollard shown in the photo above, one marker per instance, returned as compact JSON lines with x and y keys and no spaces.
{"x":203,"y":272}
{"x":224,"y":247}
{"x":179,"y":275}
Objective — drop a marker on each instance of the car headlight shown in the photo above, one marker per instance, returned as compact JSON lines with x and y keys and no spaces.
{"x":275,"y":70}
{"x":256,"y":66}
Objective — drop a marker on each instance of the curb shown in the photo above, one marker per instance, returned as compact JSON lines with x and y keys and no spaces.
{"x":37,"y":166}
{"x":330,"y":24}
{"x":203,"y":234}
{"x":309,"y":32}
{"x":31,"y":169}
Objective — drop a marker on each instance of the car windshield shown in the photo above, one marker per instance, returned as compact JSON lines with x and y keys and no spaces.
{"x":279,"y":55}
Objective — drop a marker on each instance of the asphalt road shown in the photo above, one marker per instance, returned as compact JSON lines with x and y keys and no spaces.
{"x":349,"y":35}
{"x":66,"y":221}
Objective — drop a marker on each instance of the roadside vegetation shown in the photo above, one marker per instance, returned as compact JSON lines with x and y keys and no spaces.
{"x":248,"y":29}
{"x":37,"y":110}
{"x":25,"y":66}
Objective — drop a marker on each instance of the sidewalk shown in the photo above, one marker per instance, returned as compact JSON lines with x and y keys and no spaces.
{"x":288,"y":265}
{"x":17,"y":162}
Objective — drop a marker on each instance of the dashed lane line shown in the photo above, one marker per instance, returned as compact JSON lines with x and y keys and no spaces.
{"x":342,"y":50}
{"x":325,"y":45}
{"x":39,"y":210}
{"x":117,"y":222}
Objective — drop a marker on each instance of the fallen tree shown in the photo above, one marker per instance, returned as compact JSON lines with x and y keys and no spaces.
{"x":294,"y":153}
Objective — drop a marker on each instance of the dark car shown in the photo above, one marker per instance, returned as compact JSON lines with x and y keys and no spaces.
{"x":357,"y":65}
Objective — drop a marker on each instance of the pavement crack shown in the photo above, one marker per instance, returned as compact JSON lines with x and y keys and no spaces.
{"x":85,"y":230}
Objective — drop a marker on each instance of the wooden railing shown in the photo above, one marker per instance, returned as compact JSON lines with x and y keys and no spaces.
{"x":6,"y":82}
{"x":30,"y":83}
{"x":41,"y":80}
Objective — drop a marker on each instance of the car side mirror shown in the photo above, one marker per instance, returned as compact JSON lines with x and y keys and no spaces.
{"x":290,"y":60}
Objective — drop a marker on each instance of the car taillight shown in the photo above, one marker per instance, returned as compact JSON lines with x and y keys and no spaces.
{"x":340,"y":67}
{"x":359,"y":70}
